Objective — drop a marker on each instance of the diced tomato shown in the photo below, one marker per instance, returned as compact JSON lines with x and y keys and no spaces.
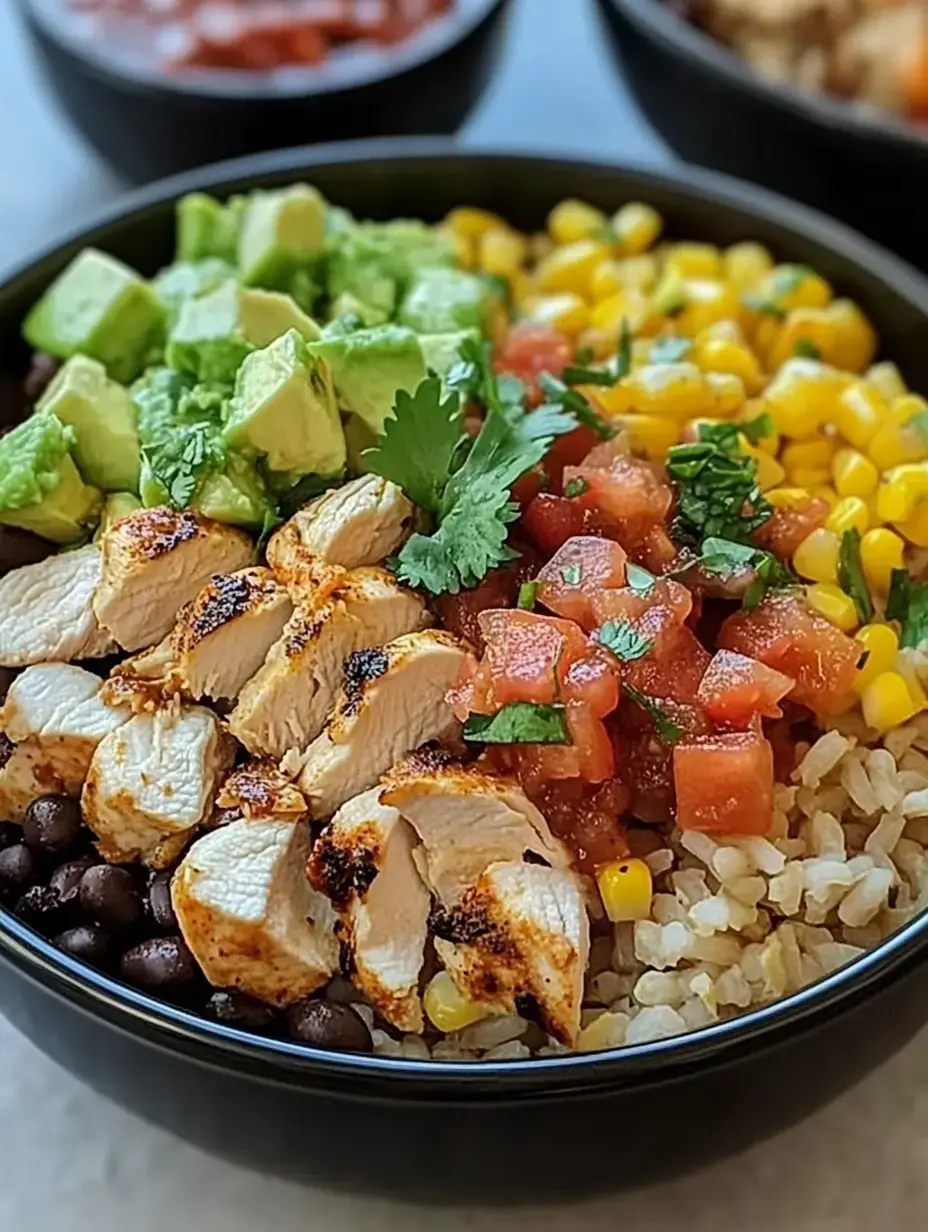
{"x":587,"y":817}
{"x":591,"y":740}
{"x":625,"y":603}
{"x":724,"y":783}
{"x":735,"y":689}
{"x":528,"y":656}
{"x":595,"y":681}
{"x":674,"y":666}
{"x":656,"y":551}
{"x":604,"y":453}
{"x":550,"y":521}
{"x":628,"y":493}
{"x":527,"y":487}
{"x":786,"y":635}
{"x":500,"y":588}
{"x":783,"y":533}
{"x":780,"y":735}
{"x":530,"y":350}
{"x":580,"y":569}
{"x":568,"y":450}
{"x":647,"y":760}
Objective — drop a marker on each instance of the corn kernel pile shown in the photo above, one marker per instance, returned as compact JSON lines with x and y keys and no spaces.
{"x":730,"y":335}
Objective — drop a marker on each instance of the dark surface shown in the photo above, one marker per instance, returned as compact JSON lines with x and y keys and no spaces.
{"x":713,"y":110}
{"x":561,"y":1125}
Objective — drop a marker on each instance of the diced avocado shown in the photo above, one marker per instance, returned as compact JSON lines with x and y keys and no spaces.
{"x":235,"y":495}
{"x":267,"y":315}
{"x":207,"y":228}
{"x":358,"y":437}
{"x":40,"y":487}
{"x":445,"y":300}
{"x":106,"y":446}
{"x":187,"y":279}
{"x":442,"y":351}
{"x":284,"y":408}
{"x":281,"y":231}
{"x":369,"y":366}
{"x":374,"y":262}
{"x":101,"y":308}
{"x":117,"y":505}
{"x":348,"y":305}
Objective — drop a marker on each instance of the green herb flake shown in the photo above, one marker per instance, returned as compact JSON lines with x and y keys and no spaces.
{"x":718,"y":495}
{"x":763,"y":306}
{"x":625,"y":355}
{"x":575,"y":487}
{"x":725,"y":558}
{"x":670,"y":350}
{"x":639,"y":580}
{"x":851,"y":575}
{"x":519,"y":723}
{"x":623,"y":640}
{"x":758,"y":428}
{"x":528,"y":594}
{"x":668,"y":731}
{"x":571,"y":574}
{"x":908,"y":604}
{"x":571,"y":400}
{"x":806,"y":349}
{"x":920,"y":421}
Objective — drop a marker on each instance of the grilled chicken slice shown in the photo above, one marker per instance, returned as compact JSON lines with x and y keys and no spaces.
{"x":467,"y":820}
{"x":55,"y":709}
{"x":146,"y":681}
{"x":153,"y":781}
{"x":258,"y":790}
{"x":392,"y":701}
{"x":222,"y":638}
{"x":25,"y":773}
{"x":285,"y":705}
{"x":360,"y":523}
{"x":47,"y":614}
{"x":155,"y":561}
{"x":520,"y":932}
{"x":249,"y":915}
{"x":363,"y":861}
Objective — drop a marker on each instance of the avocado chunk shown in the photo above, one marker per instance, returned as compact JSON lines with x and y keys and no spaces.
{"x":236,"y":495}
{"x":369,"y":366}
{"x":118,"y":505}
{"x":371,"y":264}
{"x":186,"y":280}
{"x":106,"y":444}
{"x":445,"y":300}
{"x":284,"y":409}
{"x":40,"y":487}
{"x":208,"y":229}
{"x":281,"y":231}
{"x":442,"y":351}
{"x":358,"y":437}
{"x":101,"y":308}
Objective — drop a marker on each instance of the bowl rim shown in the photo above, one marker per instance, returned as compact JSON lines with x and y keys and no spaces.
{"x":279,"y":1061}
{"x":657,"y":20}
{"x":429,"y":44}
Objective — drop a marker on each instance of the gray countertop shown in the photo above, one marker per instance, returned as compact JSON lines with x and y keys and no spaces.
{"x":72,"y":1161}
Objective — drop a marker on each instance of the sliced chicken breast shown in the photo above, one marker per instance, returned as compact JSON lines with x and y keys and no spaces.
{"x":153,"y":781}
{"x":222,"y":638}
{"x":25,"y":773}
{"x":56,"y":709}
{"x":392,"y":701}
{"x":360,"y":523}
{"x":47,"y":614}
{"x":249,"y":915}
{"x":520,"y":935}
{"x":146,"y":681}
{"x":155,"y":561}
{"x":467,"y":820}
{"x":286,"y":703}
{"x":258,"y":790}
{"x":363,"y":861}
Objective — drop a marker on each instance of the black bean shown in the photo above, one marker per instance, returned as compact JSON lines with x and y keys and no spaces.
{"x":18,"y":870}
{"x":163,"y":964}
{"x":110,"y":897}
{"x":19,"y":548}
{"x":52,"y":825}
{"x":237,"y":1009}
{"x":40,"y":909}
{"x":66,"y":879}
{"x":159,"y":902}
{"x":41,"y":371}
{"x":7,"y":676}
{"x":327,"y":1025}
{"x":10,"y":834}
{"x":88,"y":943}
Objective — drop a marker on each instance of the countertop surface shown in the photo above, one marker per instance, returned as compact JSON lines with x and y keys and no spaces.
{"x":72,"y":1161}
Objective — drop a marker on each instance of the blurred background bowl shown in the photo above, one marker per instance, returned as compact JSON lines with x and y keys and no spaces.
{"x":148,"y":123}
{"x":713,"y":109}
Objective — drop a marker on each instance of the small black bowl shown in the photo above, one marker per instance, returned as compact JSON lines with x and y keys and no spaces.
{"x":869,"y":169}
{"x":565,"y":1125}
{"x":148,"y":124}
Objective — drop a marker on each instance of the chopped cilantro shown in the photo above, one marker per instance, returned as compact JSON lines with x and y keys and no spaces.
{"x":584,"y":356}
{"x":670,"y":350}
{"x":806,"y":349}
{"x":764,"y":307}
{"x":786,"y":280}
{"x":725,"y":558}
{"x":759,"y":427}
{"x":519,"y":723}
{"x":575,"y":487}
{"x":573,"y":374}
{"x":624,"y":640}
{"x":668,"y":731}
{"x":851,"y":575}
{"x":639,"y":580}
{"x":769,"y":574}
{"x":528,"y":593}
{"x":583,"y":374}
{"x":717,"y":493}
{"x":571,"y":574}
{"x":559,"y":395}
{"x":623,"y":359}
{"x":908,"y":603}
{"x":418,"y":446}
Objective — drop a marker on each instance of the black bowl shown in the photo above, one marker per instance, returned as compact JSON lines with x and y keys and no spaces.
{"x":152,"y":124}
{"x":712,"y":108}
{"x":564,"y":1125}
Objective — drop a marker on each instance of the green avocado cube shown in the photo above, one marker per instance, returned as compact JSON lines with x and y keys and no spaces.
{"x":206,"y":228}
{"x":118,"y":505}
{"x":188,"y":279}
{"x":101,"y":308}
{"x":106,"y":446}
{"x":284,"y":409}
{"x":40,"y":487}
{"x":369,"y":366}
{"x":442,"y":351}
{"x":370,"y":264}
{"x":281,"y":230}
{"x":445,"y":300}
{"x":235,"y":495}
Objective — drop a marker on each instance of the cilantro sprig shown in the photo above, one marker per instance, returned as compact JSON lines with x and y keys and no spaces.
{"x":623,"y":640}
{"x":851,"y":574}
{"x":519,"y":723}
{"x":558,"y":394}
{"x":908,"y":603}
{"x":718,"y":495}
{"x":667,"y":730}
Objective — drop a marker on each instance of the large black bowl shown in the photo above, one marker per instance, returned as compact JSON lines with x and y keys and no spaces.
{"x":712,"y":108}
{"x":152,"y":124}
{"x":564,"y":1125}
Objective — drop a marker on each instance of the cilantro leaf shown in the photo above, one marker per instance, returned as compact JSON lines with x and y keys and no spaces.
{"x":786,"y":280}
{"x":723,"y":557}
{"x":763,"y":306}
{"x":805,"y":348}
{"x":908,"y":603}
{"x":624,"y":640}
{"x":177,"y":462}
{"x":574,"y":374}
{"x":670,"y":350}
{"x":528,"y":593}
{"x":519,"y":723}
{"x":474,"y":379}
{"x":758,"y":428}
{"x":640,"y":581}
{"x":668,"y":731}
{"x":571,"y":574}
{"x":718,"y":495}
{"x":304,"y":490}
{"x":769,"y":574}
{"x":558,"y":394}
{"x":851,"y":574}
{"x":575,"y":487}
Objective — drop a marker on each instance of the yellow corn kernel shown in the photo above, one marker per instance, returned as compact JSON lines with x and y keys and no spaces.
{"x":470,"y":222}
{"x":887,"y":380}
{"x":850,"y":513}
{"x":795,"y":286}
{"x":728,"y":393}
{"x":859,"y":412}
{"x":901,"y":490}
{"x":693,"y":260}
{"x":811,"y":477}
{"x":915,"y":526}
{"x":521,"y":285}
{"x":606,"y":281}
{"x":573,"y":220}
{"x":814,"y":454}
{"x":608,"y":314}
{"x":802,"y":396}
{"x":854,"y":344}
{"x":639,"y":273}
{"x":651,"y":435}
{"x":832,"y":603}
{"x":806,"y":331}
{"x":769,"y":471}
{"x":720,"y":355}
{"x":567,"y":313}
{"x":912,"y":683}
{"x":853,"y":473}
{"x":707,"y":301}
{"x":886,"y":702}
{"x":669,"y":296}
{"x":788,"y":498}
{"x":882,"y":646}
{"x":570,"y":267}
{"x":746,"y":265}
{"x":447,"y":1007}
{"x":826,"y":493}
{"x":678,"y":390}
{"x":625,"y":887}
{"x":637,"y":227}
{"x":902,"y":438}
{"x":607,"y":1030}
{"x":880,"y":552}
{"x":726,"y":330}
{"x":816,"y":558}
{"x":500,"y":251}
